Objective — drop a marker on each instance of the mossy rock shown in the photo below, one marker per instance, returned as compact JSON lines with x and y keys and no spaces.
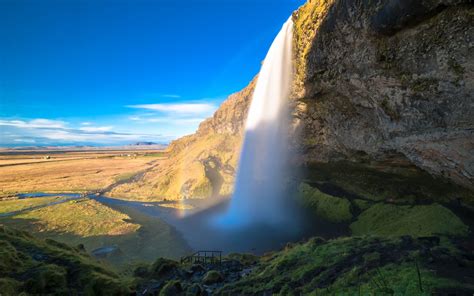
{"x":195,"y":290}
{"x":362,"y":204}
{"x":172,"y":288}
{"x":141,"y":271}
{"x":327,"y":207}
{"x":244,"y":258}
{"x":422,"y":220}
{"x":163,"y":267}
{"x":212,"y":277}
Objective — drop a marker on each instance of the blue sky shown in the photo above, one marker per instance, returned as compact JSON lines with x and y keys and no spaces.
{"x":115,"y":72}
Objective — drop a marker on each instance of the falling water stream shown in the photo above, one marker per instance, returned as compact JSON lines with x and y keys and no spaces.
{"x":258,"y":195}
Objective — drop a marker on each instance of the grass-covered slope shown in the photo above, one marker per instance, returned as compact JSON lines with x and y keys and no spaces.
{"x":136,"y":236}
{"x":419,"y":220}
{"x":366,"y":265}
{"x":46,"y":267}
{"x":327,"y":207}
{"x":360,"y":215}
{"x":360,"y":266}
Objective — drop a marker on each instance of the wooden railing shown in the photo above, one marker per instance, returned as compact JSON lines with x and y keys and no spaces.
{"x":203,"y":257}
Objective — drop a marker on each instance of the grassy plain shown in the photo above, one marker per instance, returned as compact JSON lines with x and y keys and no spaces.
{"x":13,"y":205}
{"x":139,"y":238}
{"x":69,"y":171}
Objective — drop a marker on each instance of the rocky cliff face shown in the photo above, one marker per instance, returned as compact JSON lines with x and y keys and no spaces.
{"x":388,"y":81}
{"x":383,"y":101}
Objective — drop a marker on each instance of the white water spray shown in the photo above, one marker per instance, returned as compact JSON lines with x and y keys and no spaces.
{"x":260,"y":178}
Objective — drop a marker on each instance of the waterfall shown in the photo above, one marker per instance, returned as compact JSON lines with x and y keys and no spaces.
{"x":258,"y":195}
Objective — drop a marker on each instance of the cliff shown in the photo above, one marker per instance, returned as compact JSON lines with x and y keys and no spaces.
{"x":199,"y":165}
{"x":383,"y":107}
{"x":388,"y":81}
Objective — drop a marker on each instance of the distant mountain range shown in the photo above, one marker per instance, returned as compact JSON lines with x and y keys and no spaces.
{"x":144,"y":144}
{"x":137,"y":145}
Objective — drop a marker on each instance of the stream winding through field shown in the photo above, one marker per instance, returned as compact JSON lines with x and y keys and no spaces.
{"x":194,"y":226}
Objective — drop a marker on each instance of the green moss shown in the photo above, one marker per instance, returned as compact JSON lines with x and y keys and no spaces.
{"x":46,"y":267}
{"x":424,"y":220}
{"x":389,"y":110}
{"x":97,"y":283}
{"x":9,"y":286}
{"x":10,"y":260}
{"x":372,"y":257}
{"x":361,"y":204}
{"x":310,"y":141}
{"x":391,"y":279}
{"x":212,"y":277}
{"x":392,"y":180}
{"x":195,"y":290}
{"x":48,"y":278}
{"x":331,"y":208}
{"x":345,"y":266}
{"x":162,"y":267}
{"x":172,"y":288}
{"x":244,"y":259}
{"x":423,"y":84}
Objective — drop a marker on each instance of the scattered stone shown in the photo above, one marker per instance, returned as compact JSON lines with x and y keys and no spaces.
{"x":195,"y":290}
{"x":106,"y":252}
{"x":212,"y":277}
{"x":172,"y":288}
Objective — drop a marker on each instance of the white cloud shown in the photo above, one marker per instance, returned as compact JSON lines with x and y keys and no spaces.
{"x":45,"y":131}
{"x":86,"y":123}
{"x":179,"y":108}
{"x":35,"y":123}
{"x":134,"y":118}
{"x":24,"y":140}
{"x":96,"y":128}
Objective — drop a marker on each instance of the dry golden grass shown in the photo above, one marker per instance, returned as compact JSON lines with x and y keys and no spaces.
{"x":78,"y":175}
{"x":183,"y":174}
